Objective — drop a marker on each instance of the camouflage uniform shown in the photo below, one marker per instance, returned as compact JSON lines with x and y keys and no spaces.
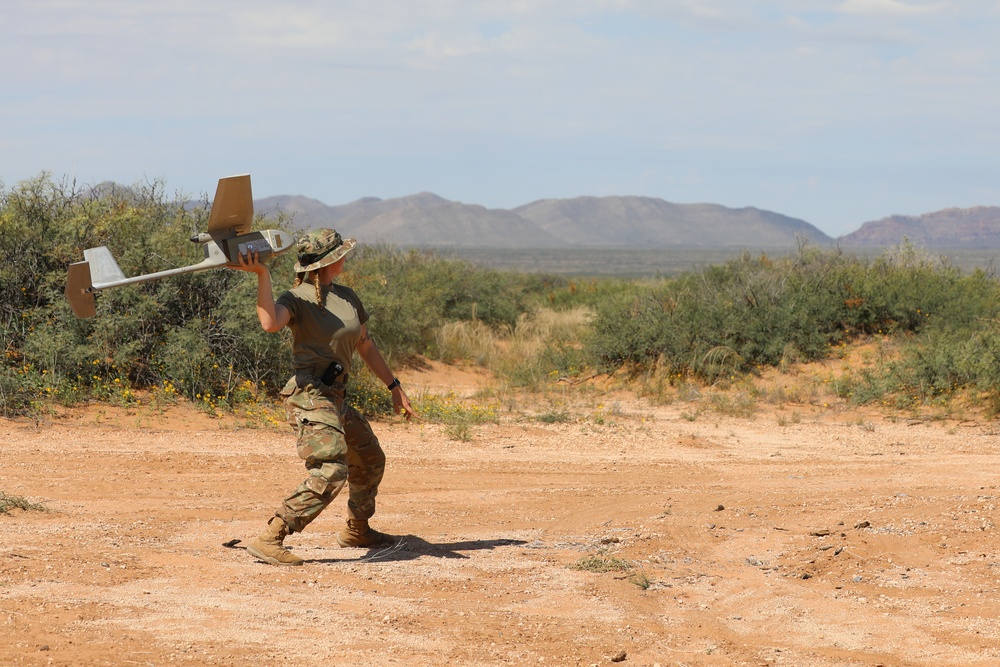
{"x":335,"y":440}
{"x":337,"y":444}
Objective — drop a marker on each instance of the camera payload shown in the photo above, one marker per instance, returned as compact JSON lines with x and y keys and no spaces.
{"x":227,"y":238}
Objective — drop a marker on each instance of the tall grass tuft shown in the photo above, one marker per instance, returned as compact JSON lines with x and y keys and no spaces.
{"x":545,"y":345}
{"x":467,"y":341}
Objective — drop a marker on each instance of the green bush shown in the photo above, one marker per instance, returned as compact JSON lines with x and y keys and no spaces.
{"x":367,"y":393}
{"x":197,"y":332}
{"x":410,"y":294}
{"x":755,"y":312}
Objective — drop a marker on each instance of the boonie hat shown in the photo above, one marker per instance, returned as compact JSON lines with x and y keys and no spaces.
{"x":321,"y":247}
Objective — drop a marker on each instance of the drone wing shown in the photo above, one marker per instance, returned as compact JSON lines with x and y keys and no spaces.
{"x":232,"y":208}
{"x":228,"y":238}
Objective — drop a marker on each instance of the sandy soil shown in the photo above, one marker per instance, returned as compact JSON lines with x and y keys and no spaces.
{"x":803,"y":536}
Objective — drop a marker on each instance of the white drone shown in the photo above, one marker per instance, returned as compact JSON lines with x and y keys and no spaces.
{"x":227,"y":238}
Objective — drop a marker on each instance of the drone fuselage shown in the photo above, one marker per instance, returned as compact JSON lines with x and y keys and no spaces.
{"x":227,"y":238}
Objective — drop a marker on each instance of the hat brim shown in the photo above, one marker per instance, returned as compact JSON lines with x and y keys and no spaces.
{"x":334,"y":256}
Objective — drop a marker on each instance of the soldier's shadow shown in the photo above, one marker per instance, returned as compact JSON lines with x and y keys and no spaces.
{"x":411,"y":547}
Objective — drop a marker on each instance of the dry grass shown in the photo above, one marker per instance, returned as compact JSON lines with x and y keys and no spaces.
{"x":7,"y":503}
{"x":468,"y":341}
{"x":514,"y":354}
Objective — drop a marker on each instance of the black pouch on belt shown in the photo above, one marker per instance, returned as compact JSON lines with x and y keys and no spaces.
{"x":332,"y":372}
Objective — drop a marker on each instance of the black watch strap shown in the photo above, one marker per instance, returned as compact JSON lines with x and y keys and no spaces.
{"x":392,"y":385}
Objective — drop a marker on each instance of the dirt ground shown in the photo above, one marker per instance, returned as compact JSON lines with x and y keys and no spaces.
{"x":805,"y":535}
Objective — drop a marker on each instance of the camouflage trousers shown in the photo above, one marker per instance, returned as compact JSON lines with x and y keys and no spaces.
{"x":338,"y":445}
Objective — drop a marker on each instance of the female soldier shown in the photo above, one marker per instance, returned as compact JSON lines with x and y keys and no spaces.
{"x":327,"y":321}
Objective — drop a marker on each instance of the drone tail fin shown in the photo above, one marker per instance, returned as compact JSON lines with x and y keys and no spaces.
{"x":78,"y":290}
{"x":103,"y":267}
{"x":232,"y":208}
{"x":97,"y":271}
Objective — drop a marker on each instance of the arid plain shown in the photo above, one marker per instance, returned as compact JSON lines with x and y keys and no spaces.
{"x":629,"y":533}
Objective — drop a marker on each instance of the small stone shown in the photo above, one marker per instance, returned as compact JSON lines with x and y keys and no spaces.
{"x":807,"y":576}
{"x":720,"y":508}
{"x":753,"y":561}
{"x":43,"y":647}
{"x":863,"y":524}
{"x":822,"y":532}
{"x":619,"y":657}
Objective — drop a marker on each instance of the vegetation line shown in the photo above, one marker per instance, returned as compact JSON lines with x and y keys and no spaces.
{"x":933,"y":328}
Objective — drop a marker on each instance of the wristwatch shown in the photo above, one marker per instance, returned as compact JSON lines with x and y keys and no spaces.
{"x":392,"y":385}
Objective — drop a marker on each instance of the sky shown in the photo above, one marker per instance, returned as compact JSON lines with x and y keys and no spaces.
{"x":833,"y":111}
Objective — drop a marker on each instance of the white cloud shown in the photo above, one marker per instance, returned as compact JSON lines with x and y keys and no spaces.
{"x":538,"y":97}
{"x":888,"y":8}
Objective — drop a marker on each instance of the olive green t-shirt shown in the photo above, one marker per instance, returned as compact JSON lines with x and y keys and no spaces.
{"x":323,"y":335}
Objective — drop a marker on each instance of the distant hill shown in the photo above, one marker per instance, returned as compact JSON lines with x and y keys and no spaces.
{"x":642,"y":222}
{"x":625,"y":222}
{"x":976,"y":227}
{"x":420,"y":220}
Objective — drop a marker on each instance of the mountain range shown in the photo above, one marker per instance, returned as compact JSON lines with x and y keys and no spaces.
{"x":426,"y":219}
{"x":977,"y":227}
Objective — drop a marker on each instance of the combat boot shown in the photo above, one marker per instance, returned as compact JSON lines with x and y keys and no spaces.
{"x":357,"y":533}
{"x":269,"y":547}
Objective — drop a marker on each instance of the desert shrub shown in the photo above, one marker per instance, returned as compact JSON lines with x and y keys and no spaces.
{"x":602,"y":563}
{"x":545,"y":345}
{"x":9,"y":502}
{"x":197,"y":332}
{"x":567,"y":293}
{"x":472,"y":341}
{"x":235,"y":334}
{"x":147,"y":334}
{"x":20,"y":388}
{"x":951,"y":327}
{"x":450,"y":409}
{"x":707,"y":327}
{"x":754,"y":312}
{"x":367,"y":393}
{"x":410,"y":294}
{"x":933,"y":367}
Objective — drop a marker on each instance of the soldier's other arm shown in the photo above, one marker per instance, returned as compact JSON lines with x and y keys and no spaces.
{"x":371,"y":355}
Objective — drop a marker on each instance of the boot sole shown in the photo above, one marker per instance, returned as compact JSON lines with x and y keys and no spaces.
{"x":348,"y":545}
{"x":270,"y":560}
